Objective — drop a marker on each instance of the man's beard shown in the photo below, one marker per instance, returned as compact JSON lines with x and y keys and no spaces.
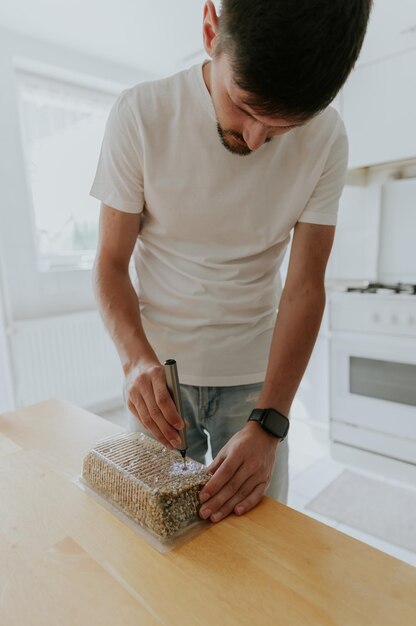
{"x":236,"y":148}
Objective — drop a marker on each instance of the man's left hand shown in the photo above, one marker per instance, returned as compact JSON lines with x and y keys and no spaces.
{"x":242,"y":470}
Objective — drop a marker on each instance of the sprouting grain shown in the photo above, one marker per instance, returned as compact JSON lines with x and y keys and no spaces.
{"x":146,"y":481}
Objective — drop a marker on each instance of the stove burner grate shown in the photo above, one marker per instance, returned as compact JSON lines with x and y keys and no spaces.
{"x":407,"y":288}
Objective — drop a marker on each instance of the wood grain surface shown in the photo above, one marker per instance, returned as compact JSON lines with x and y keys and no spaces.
{"x":67,"y":561}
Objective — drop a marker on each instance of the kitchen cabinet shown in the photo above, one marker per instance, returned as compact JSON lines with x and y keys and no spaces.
{"x":391,"y":30}
{"x":66,"y":560}
{"x":379,"y":111}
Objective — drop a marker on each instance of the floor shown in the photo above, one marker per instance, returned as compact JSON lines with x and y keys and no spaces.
{"x":311,"y":469}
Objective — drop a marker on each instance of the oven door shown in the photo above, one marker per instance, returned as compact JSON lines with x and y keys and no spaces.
{"x":373,"y":393}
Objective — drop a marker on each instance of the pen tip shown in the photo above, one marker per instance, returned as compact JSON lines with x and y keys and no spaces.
{"x":183,"y":454}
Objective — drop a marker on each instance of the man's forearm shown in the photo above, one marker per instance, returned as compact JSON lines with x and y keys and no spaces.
{"x":297,"y":326}
{"x":119,"y":308}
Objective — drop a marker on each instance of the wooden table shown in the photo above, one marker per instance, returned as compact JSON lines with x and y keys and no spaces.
{"x":66,"y":560}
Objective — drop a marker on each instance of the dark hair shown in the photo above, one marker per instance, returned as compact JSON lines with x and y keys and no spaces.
{"x":292,"y":56}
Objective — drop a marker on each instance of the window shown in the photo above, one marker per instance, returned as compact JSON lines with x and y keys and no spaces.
{"x":62,"y":129}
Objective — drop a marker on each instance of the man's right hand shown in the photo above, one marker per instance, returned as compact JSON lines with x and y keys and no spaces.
{"x":148,"y":398}
{"x":147,"y":395}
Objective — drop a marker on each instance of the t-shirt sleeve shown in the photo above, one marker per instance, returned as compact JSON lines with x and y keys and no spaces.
{"x":118,"y":180}
{"x":322,"y":207}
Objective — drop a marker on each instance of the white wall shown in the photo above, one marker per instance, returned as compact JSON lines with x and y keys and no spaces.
{"x":6,"y":384}
{"x":27,"y":292}
{"x":6,"y":378}
{"x":159,"y":36}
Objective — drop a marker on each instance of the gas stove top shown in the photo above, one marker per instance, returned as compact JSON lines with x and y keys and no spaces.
{"x":384,"y":288}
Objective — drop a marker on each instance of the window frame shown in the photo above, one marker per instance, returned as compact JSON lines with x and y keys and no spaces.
{"x":38,"y":76}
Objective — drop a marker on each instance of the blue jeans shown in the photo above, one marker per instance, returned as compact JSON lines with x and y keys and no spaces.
{"x":218,"y":413}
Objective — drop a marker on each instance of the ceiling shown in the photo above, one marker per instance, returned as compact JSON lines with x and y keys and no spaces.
{"x":155,"y":36}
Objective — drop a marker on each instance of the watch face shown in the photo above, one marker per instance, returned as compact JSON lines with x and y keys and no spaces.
{"x":275,"y":423}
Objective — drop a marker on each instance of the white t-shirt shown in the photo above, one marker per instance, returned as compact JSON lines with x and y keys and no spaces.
{"x":215,"y":225}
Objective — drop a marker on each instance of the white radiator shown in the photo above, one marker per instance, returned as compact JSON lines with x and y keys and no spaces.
{"x":69,"y":357}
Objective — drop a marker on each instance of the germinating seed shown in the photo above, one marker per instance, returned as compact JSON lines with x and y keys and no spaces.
{"x":146,"y":481}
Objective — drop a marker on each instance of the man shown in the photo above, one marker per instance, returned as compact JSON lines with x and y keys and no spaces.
{"x":205,"y":174}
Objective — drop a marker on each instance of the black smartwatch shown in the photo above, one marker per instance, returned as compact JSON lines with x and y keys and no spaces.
{"x":272,"y":421}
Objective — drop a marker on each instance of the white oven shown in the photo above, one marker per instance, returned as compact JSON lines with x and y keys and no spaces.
{"x":373,"y":373}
